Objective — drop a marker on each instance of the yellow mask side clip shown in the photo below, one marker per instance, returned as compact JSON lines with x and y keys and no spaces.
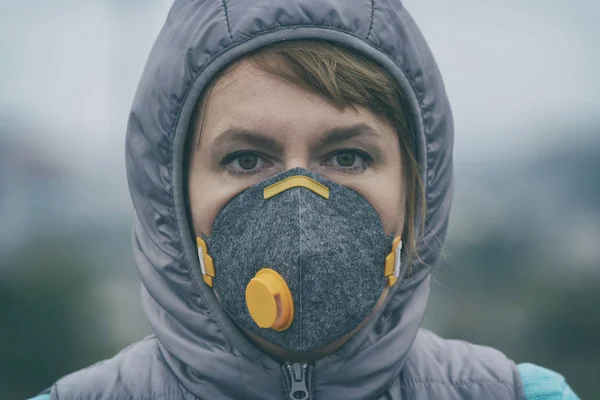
{"x":206,"y":262}
{"x":393,"y":260}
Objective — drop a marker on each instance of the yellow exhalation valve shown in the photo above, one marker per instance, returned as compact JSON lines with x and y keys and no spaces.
{"x":269,"y":300}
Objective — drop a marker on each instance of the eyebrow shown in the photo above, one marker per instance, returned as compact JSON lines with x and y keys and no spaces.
{"x":342,"y":133}
{"x":331,"y":136}
{"x":241,"y":135}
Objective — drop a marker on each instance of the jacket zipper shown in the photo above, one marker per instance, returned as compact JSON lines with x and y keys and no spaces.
{"x":297,"y":374}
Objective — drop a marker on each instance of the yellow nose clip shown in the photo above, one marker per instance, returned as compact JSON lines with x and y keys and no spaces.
{"x":296,"y":181}
{"x":269,"y":300}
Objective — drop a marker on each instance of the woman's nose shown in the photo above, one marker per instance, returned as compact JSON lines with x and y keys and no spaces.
{"x":297,"y":162}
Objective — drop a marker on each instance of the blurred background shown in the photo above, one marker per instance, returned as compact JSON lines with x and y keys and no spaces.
{"x":521,"y":266}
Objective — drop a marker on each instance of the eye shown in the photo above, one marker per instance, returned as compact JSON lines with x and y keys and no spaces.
{"x":349,"y":160}
{"x":243,"y":163}
{"x":247,"y":161}
{"x":345,"y":159}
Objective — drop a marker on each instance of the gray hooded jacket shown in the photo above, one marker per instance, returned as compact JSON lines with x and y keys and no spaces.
{"x":197,"y":352}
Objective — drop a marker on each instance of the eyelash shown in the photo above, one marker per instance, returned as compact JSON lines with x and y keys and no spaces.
{"x":231,"y":157}
{"x":367,"y":160}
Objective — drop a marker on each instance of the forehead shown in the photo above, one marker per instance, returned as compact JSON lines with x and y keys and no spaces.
{"x":247,"y":87}
{"x":248,"y":97}
{"x":246,"y":76}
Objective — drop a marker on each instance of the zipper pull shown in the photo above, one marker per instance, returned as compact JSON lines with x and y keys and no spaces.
{"x":298,"y":373}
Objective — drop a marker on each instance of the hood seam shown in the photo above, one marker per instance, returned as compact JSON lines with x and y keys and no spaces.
{"x":227,"y":19}
{"x":371,"y":23}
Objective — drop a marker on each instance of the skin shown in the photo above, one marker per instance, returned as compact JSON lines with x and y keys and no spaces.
{"x":280,"y":126}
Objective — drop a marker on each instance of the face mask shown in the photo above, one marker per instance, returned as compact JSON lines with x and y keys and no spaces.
{"x":299,"y":260}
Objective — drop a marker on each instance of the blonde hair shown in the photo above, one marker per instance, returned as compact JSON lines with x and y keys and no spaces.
{"x":345,"y":79}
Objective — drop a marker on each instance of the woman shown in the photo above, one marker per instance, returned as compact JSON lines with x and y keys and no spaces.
{"x":290,"y":165}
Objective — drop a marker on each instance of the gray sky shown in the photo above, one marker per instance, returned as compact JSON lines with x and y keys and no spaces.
{"x":513,"y":68}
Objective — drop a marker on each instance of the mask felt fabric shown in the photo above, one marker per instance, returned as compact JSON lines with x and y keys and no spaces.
{"x":330,"y":252}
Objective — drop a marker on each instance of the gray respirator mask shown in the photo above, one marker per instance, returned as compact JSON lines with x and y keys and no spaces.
{"x":299,"y":260}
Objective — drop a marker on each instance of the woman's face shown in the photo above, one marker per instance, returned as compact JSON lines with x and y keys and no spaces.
{"x":257,"y":125}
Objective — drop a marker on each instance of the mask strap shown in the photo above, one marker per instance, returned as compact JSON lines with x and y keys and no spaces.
{"x":393,"y":260}
{"x":391,"y":269}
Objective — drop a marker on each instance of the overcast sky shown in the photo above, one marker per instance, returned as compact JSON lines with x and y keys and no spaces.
{"x":69,"y":69}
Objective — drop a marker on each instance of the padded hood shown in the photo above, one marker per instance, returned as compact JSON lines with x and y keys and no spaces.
{"x":201,"y":345}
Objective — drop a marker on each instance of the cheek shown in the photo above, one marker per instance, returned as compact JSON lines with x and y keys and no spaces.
{"x":389,"y":205}
{"x":385,"y":193}
{"x":208,"y":196}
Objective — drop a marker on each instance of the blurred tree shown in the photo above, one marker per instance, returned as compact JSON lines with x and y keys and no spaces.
{"x":498,"y":293}
{"x":44,"y":303}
